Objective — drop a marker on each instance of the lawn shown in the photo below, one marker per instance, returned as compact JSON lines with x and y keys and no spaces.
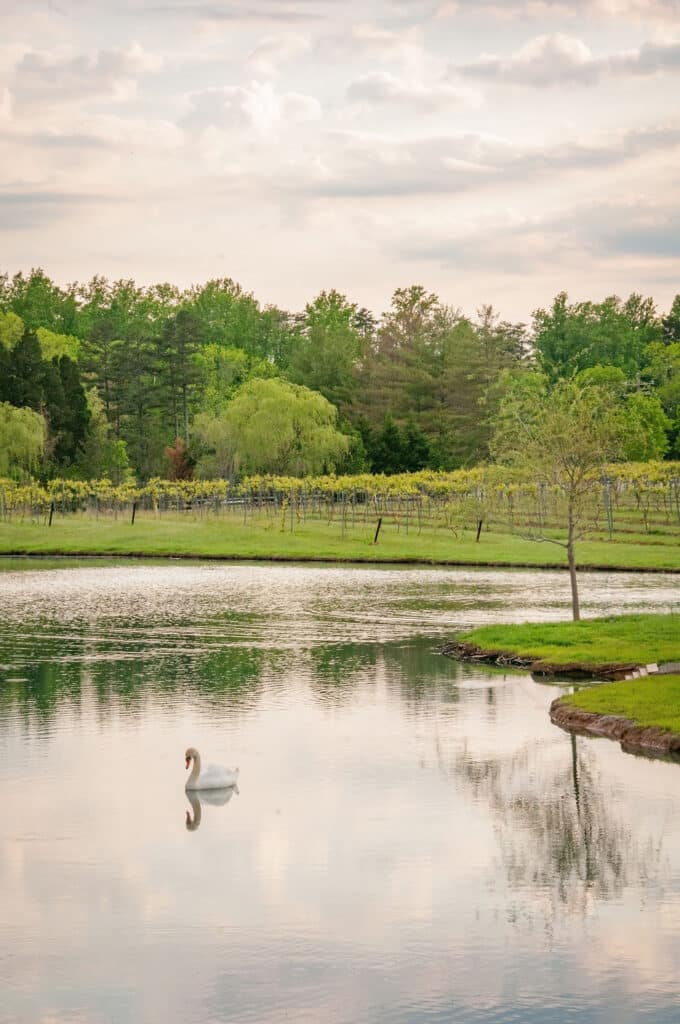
{"x":314,"y":540}
{"x":650,"y":701}
{"x":622,"y":639}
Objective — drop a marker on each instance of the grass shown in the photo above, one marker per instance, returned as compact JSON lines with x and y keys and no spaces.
{"x":230,"y":538}
{"x":619,"y":640}
{"x":651,"y":701}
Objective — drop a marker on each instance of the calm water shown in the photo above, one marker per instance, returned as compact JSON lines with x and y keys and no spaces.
{"x":412,"y":840}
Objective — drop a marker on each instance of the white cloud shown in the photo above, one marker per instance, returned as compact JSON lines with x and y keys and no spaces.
{"x":355,"y":165}
{"x":520,"y":243}
{"x":40,"y":77}
{"x":382,"y":87}
{"x":558,"y":58}
{"x":257,"y":108}
{"x":273,"y":51}
{"x":621,"y":10}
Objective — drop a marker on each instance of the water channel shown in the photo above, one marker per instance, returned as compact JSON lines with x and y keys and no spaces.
{"x":412,"y":840}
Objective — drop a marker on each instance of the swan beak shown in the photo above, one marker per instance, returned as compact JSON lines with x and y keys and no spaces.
{"x":188,"y":761}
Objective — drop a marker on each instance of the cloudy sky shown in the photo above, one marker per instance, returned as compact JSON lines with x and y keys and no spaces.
{"x":492,"y":151}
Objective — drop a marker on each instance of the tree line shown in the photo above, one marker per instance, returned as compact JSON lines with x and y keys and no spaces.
{"x":113,"y":379}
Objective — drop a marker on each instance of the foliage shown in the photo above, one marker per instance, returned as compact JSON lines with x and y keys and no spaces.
{"x":181,"y":461}
{"x":425,"y":376}
{"x":22,"y":440}
{"x":272,"y":426}
{"x":11,"y":329}
{"x":569,"y":338}
{"x":562,"y":439}
{"x":54,"y":346}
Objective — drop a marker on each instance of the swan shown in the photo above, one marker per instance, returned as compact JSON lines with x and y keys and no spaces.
{"x":213,"y":776}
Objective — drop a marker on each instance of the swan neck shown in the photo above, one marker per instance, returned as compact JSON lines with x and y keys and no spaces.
{"x":195,"y":769}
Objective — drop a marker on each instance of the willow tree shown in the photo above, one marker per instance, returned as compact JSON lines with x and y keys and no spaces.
{"x":271,"y":426}
{"x":22,"y":440}
{"x":562,"y":439}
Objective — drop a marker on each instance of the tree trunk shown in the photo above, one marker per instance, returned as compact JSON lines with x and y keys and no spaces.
{"x":571,"y":558}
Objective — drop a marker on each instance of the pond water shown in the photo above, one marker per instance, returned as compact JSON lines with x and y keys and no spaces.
{"x":412,"y":840}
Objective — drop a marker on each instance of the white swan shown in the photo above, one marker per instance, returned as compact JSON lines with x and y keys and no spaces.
{"x":213,"y":776}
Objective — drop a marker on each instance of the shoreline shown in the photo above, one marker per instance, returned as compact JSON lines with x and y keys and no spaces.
{"x":635,"y":739}
{"x":337,"y":559}
{"x":471,"y":653}
{"x":639,"y":702}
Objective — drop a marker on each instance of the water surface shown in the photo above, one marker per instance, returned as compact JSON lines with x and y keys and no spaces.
{"x":412,"y":840}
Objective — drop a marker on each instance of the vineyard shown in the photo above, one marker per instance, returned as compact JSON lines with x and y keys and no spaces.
{"x":630,"y":502}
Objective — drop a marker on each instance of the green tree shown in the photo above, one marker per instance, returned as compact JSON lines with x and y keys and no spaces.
{"x":327,"y":348}
{"x":671,"y":323}
{"x":101,"y":454}
{"x":56,"y":345}
{"x":180,"y":342}
{"x":562,"y":439}
{"x":11,"y":329}
{"x":22,"y":441}
{"x":38,"y":301}
{"x":272,"y":426}
{"x":663,"y":373}
{"x":569,"y":338}
{"x":646,"y":428}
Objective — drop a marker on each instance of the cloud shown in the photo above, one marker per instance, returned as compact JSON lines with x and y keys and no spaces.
{"x":382,"y":88}
{"x":244,"y":10}
{"x":557,"y":59}
{"x":257,"y":108}
{"x":516,"y":244}
{"x":273,"y":51}
{"x":55,"y":79}
{"x":26,"y":210}
{"x":637,"y":10}
{"x":354,"y":165}
{"x":630,"y":227}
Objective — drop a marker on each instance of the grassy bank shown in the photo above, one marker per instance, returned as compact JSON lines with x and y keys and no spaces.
{"x":618,"y":640}
{"x":216,"y":538}
{"x":649,"y":702}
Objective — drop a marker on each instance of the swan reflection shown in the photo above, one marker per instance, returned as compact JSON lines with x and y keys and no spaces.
{"x":216,"y":797}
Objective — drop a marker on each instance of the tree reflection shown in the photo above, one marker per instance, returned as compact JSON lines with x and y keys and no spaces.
{"x":558,"y":830}
{"x":126,"y":678}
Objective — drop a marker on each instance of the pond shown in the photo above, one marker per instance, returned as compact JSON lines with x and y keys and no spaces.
{"x":412,"y":840}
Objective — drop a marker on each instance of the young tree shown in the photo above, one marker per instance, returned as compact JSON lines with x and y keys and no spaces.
{"x":561,"y":438}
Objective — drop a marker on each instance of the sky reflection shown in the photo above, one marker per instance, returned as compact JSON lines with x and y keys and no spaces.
{"x":412,"y":840}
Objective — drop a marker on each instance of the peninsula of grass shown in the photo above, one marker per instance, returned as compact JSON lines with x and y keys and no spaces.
{"x":318,"y":541}
{"x":650,"y":702}
{"x":603,"y":645}
{"x":642,"y":713}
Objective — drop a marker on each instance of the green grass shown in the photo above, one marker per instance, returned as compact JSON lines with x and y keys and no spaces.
{"x":654,"y":700}
{"x":619,"y":640}
{"x":229,"y":538}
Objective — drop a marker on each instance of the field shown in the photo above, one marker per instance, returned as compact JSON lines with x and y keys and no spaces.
{"x":487,"y":516}
{"x":230,"y":537}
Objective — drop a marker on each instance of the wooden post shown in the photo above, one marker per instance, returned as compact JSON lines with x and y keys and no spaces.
{"x":51,"y":513}
{"x":134,"y":512}
{"x":480,"y":523}
{"x":375,"y":539}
